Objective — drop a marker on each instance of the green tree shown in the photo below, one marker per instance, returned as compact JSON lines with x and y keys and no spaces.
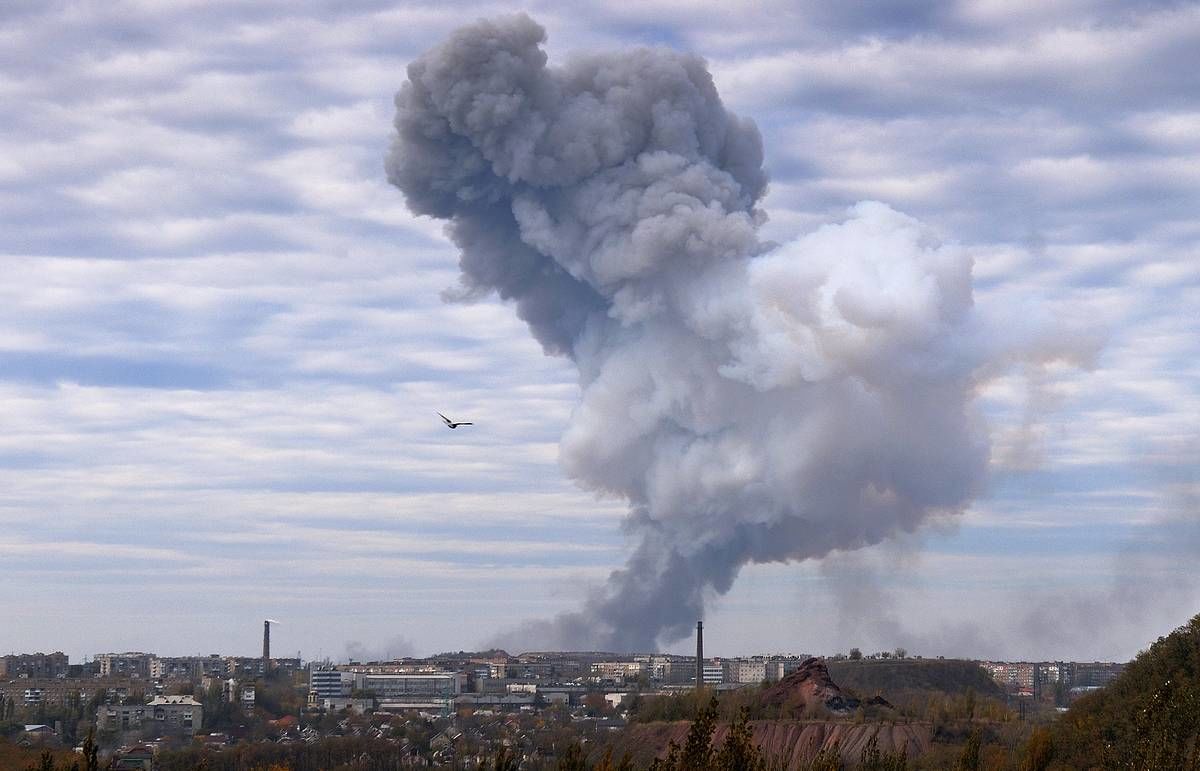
{"x":738,"y":752}
{"x":90,"y":752}
{"x":45,"y":762}
{"x":1149,"y":717}
{"x":572,"y":758}
{"x":668,"y":763}
{"x":1038,"y":752}
{"x":606,"y":762}
{"x":697,"y":746}
{"x":827,"y":759}
{"x":873,"y":759}
{"x":505,"y":760}
{"x":869,"y":760}
{"x":968,"y":759}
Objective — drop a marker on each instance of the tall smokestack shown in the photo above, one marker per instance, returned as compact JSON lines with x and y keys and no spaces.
{"x":699,"y":655}
{"x":266,"y":646}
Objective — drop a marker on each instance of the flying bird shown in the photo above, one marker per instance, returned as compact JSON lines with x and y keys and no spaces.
{"x":451,"y":424}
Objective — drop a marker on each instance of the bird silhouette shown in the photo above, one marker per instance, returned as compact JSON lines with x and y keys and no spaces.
{"x":451,"y":424}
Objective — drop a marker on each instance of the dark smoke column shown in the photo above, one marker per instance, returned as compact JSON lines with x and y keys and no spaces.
{"x":699,"y":655}
{"x":751,"y":404}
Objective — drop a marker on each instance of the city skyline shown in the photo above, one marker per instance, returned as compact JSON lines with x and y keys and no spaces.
{"x":223,"y":345}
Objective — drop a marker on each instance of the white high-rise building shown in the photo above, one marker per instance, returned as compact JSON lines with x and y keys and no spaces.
{"x":330,"y":683}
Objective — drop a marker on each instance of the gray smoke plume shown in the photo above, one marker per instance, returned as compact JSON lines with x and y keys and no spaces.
{"x":1153,"y":585}
{"x":395,"y":647}
{"x":752,"y":403}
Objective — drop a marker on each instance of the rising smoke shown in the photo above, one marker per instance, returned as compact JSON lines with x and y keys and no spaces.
{"x":751,"y":402}
{"x":394,"y":647}
{"x":1153,"y":584}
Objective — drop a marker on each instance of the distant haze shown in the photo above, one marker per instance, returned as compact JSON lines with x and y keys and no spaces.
{"x":751,"y":402}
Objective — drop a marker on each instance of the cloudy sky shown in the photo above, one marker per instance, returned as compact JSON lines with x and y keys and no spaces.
{"x":223,"y":343}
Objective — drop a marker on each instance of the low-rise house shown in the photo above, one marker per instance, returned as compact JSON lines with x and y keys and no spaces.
{"x":38,"y":734}
{"x":136,"y":759}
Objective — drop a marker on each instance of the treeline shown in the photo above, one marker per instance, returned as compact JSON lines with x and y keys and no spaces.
{"x":74,"y":715}
{"x":698,"y":752}
{"x":942,"y":710}
{"x":14,"y":757}
{"x":732,"y":704}
{"x":87,"y":760}
{"x":893,"y":676}
{"x":1149,"y":718}
{"x":336,"y":752}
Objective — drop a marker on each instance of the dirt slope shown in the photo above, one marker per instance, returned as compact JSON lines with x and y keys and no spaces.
{"x":796,"y":740}
{"x":808,"y":686}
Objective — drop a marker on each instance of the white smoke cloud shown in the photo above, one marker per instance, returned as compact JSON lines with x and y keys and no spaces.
{"x":751,"y":402}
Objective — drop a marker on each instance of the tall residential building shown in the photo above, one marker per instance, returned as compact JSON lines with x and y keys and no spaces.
{"x":777,"y":669}
{"x":130,"y":664}
{"x":618,"y":670}
{"x":656,"y":664}
{"x":1094,"y":674}
{"x":1051,"y":673}
{"x":679,"y":672}
{"x":745,"y":670}
{"x":250,"y":667}
{"x":244,"y":667}
{"x":34,"y":665}
{"x":1015,"y":677}
{"x":186,"y":667}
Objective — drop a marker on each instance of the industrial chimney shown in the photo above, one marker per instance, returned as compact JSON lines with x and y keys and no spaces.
{"x":699,"y":655}
{"x":266,"y":647}
{"x":266,"y":667}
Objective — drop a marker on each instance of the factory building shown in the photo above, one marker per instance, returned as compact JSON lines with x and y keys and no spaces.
{"x":417,"y":690}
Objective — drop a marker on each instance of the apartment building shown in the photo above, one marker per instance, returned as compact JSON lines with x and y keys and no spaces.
{"x":744,"y":670}
{"x":618,"y":671}
{"x":34,"y":665}
{"x":133,"y":664}
{"x":162,"y":716}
